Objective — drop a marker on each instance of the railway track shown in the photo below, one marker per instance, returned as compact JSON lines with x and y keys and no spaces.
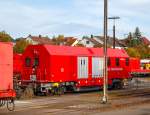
{"x":131,"y":93}
{"x":87,"y":102}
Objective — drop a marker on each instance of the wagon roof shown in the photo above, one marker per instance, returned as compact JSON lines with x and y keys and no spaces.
{"x":82,"y":51}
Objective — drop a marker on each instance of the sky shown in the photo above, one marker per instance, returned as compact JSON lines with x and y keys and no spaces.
{"x":72,"y":17}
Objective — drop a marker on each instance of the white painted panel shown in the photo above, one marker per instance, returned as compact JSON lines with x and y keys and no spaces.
{"x":97,"y":67}
{"x":82,"y":67}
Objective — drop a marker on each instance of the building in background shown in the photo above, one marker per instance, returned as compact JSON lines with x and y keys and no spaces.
{"x":38,"y":40}
{"x":98,"y":41}
{"x":145,"y":41}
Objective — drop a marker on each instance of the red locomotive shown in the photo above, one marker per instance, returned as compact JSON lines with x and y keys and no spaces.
{"x":7,"y":94}
{"x":74,"y":68}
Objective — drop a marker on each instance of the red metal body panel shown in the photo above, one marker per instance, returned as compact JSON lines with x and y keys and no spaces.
{"x":136,"y":67}
{"x":62,"y":69}
{"x":121,"y":71}
{"x":135,"y":64}
{"x":141,"y":71}
{"x":7,"y":94}
{"x":17,"y":63}
{"x":6,"y":70}
{"x":59,"y":64}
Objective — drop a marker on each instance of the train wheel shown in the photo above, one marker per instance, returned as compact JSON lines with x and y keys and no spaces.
{"x":117,"y":85}
{"x":19,"y":92}
{"x":46,"y":93}
{"x":52,"y":91}
{"x":10,"y":105}
{"x":61,"y":90}
{"x":28,"y":93}
{"x":2,"y":103}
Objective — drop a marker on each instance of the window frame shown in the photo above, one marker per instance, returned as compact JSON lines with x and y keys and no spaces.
{"x":28,"y":62}
{"x":127,"y":62}
{"x":87,"y":42}
{"x":36,"y":62}
{"x":108,"y":61}
{"x":117,"y":60}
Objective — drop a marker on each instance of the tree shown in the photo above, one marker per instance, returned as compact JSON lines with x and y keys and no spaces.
{"x":137,"y":33}
{"x":5,"y":37}
{"x":61,"y":39}
{"x":85,"y":37}
{"x":132,"y":52}
{"x":20,"y":45}
{"x":144,"y":51}
{"x":130,"y":36}
{"x":58,"y":40}
{"x":134,"y":42}
{"x":128,"y":39}
{"x":141,"y":51}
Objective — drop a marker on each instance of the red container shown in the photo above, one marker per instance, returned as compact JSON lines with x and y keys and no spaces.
{"x":7,"y":94}
{"x":6,"y":66}
{"x":6,"y":70}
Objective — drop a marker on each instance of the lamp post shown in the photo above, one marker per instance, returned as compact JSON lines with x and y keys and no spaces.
{"x":114,"y":29}
{"x":105,"y":98}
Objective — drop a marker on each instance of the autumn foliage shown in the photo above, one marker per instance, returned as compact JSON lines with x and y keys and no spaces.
{"x":135,"y":45}
{"x":5,"y":37}
{"x":20,"y":46}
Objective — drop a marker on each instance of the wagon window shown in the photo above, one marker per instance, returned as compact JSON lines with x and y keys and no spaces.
{"x":127,"y":61}
{"x":81,"y":62}
{"x":87,"y":42}
{"x":28,"y":62}
{"x":108,"y":62}
{"x":84,"y":62}
{"x":117,"y":62}
{"x":36,"y":62}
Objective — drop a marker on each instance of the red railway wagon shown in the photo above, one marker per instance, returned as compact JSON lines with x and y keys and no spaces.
{"x":7,"y":94}
{"x":75,"y":68}
{"x":137,"y":70}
